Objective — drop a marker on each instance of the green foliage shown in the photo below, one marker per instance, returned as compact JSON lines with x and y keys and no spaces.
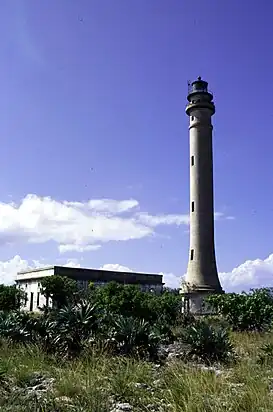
{"x":130,"y":322}
{"x":266,"y":355}
{"x":208,"y":343}
{"x":11,"y":297}
{"x":167,"y":306}
{"x":122,"y":316}
{"x":60,"y":289}
{"x":14,"y":326}
{"x":130,"y":301}
{"x":74,"y":324}
{"x":245,"y":311}
{"x":135,"y":337}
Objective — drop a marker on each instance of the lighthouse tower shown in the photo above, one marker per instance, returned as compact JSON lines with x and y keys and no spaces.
{"x":202,"y":277}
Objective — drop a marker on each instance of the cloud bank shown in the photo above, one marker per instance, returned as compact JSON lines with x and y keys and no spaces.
{"x":80,"y":226}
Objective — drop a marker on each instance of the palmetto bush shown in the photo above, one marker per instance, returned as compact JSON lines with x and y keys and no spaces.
{"x":16,"y":327}
{"x":65,"y":331}
{"x":75,"y":326}
{"x":208,"y":343}
{"x":135,"y":337}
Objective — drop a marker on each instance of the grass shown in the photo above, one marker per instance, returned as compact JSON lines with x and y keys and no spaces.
{"x":92,"y":383}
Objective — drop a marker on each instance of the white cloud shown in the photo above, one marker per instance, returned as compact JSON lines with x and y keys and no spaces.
{"x":72,"y":263}
{"x":169,"y":279}
{"x":83,"y":225}
{"x":116,"y":267}
{"x":112,"y":206}
{"x":79,"y":226}
{"x":157,"y":220}
{"x":222,"y":216}
{"x":250,"y":274}
{"x":9,"y":268}
{"x":77,"y":248}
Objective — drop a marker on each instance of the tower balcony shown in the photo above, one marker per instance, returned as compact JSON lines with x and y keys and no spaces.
{"x":199,"y":104}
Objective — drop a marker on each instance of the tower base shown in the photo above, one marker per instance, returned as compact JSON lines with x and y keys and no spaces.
{"x":194,"y":299}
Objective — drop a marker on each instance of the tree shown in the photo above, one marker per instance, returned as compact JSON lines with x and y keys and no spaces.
{"x":61,"y":289}
{"x":11,"y":297}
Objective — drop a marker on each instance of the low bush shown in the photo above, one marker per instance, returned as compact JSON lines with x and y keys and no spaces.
{"x":266,"y":354}
{"x":71,"y":330}
{"x":129,"y":300}
{"x":251,"y":311}
{"x":208,"y":343}
{"x":135,"y":337}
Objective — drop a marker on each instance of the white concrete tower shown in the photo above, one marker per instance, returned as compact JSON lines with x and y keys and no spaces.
{"x":202,"y":277}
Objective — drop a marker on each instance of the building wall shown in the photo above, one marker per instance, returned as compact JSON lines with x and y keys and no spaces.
{"x":34,"y":298}
{"x":30,"y":284}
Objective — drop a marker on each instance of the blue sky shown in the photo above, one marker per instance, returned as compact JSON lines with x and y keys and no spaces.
{"x":92,"y":107}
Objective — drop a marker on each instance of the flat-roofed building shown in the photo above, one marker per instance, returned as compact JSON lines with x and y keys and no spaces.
{"x":30,"y":281}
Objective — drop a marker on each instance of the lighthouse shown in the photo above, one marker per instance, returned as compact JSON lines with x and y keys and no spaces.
{"x":202,"y":276}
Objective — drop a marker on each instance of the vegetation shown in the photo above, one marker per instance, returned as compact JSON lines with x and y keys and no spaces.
{"x":246,"y":311}
{"x":96,"y":381}
{"x":60,"y":289}
{"x":208,"y":343}
{"x":115,"y":344}
{"x":11,"y":298}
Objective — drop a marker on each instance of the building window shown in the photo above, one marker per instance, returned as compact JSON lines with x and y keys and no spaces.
{"x":186,"y":305}
{"x":38,"y":299}
{"x":192,"y":206}
{"x":192,"y":253}
{"x":31,"y":302}
{"x":192,"y":118}
{"x":192,"y":160}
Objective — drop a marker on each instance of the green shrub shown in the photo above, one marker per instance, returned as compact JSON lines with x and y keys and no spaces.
{"x":61,"y":289}
{"x":208,"y":343}
{"x":129,"y":300}
{"x":11,"y":297}
{"x":14,"y":326}
{"x":135,"y":337}
{"x":245,"y":311}
{"x":74,"y":326}
{"x":266,"y":355}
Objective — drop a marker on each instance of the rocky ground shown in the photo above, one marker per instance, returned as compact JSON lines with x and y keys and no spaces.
{"x":29,"y":381}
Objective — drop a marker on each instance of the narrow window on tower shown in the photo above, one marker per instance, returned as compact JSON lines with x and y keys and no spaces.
{"x":192,"y":160}
{"x":192,"y":118}
{"x":192,"y":206}
{"x":192,"y":251}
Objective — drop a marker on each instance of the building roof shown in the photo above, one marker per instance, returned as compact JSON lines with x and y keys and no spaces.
{"x":23,"y":272}
{"x":95,"y":275}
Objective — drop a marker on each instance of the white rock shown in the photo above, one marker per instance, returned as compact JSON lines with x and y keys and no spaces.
{"x":122,"y":407}
{"x":141,"y":385}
